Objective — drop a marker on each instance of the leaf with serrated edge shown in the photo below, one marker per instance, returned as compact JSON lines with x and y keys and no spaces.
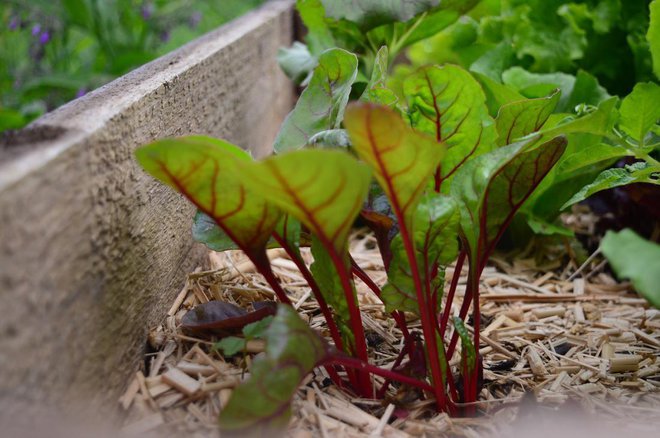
{"x":403,"y":160}
{"x":321,"y":106}
{"x":518,"y":119}
{"x":203,"y":170}
{"x":635,"y":258}
{"x":448,"y":103}
{"x":262,"y":405}
{"x":640,"y":111}
{"x":639,"y":172}
{"x":323,"y":189}
{"x":492,"y":187}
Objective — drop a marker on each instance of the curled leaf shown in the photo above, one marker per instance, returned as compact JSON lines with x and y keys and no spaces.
{"x":221,"y":318}
{"x":518,"y":119}
{"x":321,"y":106}
{"x":262,"y":405}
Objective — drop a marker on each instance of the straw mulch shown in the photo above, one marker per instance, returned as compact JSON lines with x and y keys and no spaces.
{"x":555,"y":338}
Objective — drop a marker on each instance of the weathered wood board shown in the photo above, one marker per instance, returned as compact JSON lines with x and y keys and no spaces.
{"x":92,"y":250}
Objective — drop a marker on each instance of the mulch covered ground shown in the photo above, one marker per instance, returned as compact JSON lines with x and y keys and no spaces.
{"x":565,"y":346}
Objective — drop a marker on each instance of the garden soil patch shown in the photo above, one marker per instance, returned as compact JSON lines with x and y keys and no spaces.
{"x":565,"y":347}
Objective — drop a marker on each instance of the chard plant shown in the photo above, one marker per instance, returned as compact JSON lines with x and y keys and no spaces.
{"x":435,"y":173}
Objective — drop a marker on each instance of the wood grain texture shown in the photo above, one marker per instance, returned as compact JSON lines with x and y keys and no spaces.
{"x":92,"y":250}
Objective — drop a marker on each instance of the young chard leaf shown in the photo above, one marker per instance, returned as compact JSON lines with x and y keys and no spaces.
{"x":447,"y":103}
{"x":518,"y":119}
{"x":640,"y":111}
{"x":377,"y":90}
{"x":262,"y":405}
{"x":637,"y":259}
{"x":321,"y":106}
{"x":434,"y":233}
{"x":203,"y":170}
{"x":492,"y":187}
{"x":639,"y":172}
{"x":403,"y":160}
{"x":323,"y":189}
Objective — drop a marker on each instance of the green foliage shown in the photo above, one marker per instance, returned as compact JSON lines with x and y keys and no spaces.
{"x":635,"y":258}
{"x":321,"y":105}
{"x":203,"y":169}
{"x":653,"y":36}
{"x":54,"y":51}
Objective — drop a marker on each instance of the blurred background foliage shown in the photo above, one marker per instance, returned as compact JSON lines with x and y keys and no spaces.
{"x":52,"y":51}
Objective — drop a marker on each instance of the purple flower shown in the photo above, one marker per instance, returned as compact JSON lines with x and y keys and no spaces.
{"x":147,"y":10}
{"x":81,"y":92}
{"x":165,"y":36}
{"x":195,"y":18}
{"x":36,"y":29}
{"x":13,"y":23}
{"x":44,"y":37}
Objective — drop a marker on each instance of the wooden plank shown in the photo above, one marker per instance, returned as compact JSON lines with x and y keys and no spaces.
{"x":92,"y":250}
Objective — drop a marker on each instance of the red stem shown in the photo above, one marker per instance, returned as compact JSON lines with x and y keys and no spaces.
{"x":302,"y":267}
{"x":426,"y":319}
{"x":452,"y":292}
{"x":355,"y":318}
{"x":397,"y":362}
{"x":398,"y":315}
{"x":388,"y":374}
{"x":262,"y":264}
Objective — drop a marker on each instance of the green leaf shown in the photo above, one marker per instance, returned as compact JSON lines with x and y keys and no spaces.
{"x":331,"y":288}
{"x":447,"y":103}
{"x":323,"y":189}
{"x":599,"y":122}
{"x":497,"y":94}
{"x":640,"y":172}
{"x":637,"y":259}
{"x":469,"y":350}
{"x":492,"y":187}
{"x":321,"y":106}
{"x":204,"y":170}
{"x":640,"y":111}
{"x":230,"y":345}
{"x":518,"y":119}
{"x":368,"y":14}
{"x":434,"y":232}
{"x":653,"y":36}
{"x":206,"y":231}
{"x":589,"y":156}
{"x":377,"y":90}
{"x":319,"y":36}
{"x":262,"y":405}
{"x":402,"y":159}
{"x":296,"y":61}
{"x":257,"y":329}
